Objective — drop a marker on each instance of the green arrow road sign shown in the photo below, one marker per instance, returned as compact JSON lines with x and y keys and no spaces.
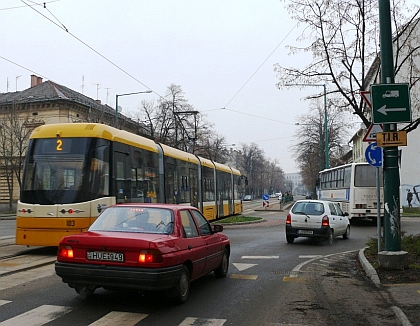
{"x":390,"y":103}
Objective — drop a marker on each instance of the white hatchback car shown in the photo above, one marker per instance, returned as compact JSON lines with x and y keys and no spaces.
{"x":316,"y":219}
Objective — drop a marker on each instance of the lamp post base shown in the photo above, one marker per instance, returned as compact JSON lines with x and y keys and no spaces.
{"x":393,"y":260}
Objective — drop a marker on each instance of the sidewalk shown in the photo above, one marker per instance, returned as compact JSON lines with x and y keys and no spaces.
{"x":275,"y":206}
{"x":405,"y":296}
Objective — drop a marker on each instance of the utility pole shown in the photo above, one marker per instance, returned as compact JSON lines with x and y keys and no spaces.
{"x":392,"y":225}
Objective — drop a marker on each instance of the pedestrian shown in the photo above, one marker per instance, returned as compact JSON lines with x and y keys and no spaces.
{"x":409,"y":197}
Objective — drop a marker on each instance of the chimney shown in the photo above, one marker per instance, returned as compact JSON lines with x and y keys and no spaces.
{"x":35,"y":80}
{"x":98,"y":101}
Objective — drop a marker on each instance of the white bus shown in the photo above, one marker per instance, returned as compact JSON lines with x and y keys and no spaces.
{"x":354,"y":187}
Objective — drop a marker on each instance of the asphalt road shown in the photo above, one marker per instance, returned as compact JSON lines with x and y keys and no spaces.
{"x":269,"y":282}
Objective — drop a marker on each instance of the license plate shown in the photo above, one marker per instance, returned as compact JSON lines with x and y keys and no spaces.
{"x":309,"y":232}
{"x":105,"y":256}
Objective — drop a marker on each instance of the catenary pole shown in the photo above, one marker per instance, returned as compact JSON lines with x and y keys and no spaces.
{"x":392,"y":225}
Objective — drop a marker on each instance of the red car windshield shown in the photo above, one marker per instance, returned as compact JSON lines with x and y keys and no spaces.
{"x":135,"y":219}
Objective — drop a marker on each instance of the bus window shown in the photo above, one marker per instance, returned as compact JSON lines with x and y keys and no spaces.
{"x":365,"y":176}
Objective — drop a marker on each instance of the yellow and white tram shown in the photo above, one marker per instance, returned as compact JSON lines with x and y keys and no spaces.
{"x":73,"y":171}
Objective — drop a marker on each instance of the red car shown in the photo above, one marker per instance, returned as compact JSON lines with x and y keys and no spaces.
{"x":144,"y":247}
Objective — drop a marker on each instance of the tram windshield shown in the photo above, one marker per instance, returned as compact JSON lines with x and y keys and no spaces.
{"x":65,"y":170}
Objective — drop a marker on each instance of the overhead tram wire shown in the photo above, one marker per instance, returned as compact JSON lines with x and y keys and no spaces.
{"x":34,"y":4}
{"x":91,"y":48}
{"x":255,"y":72}
{"x":272,"y":52}
{"x":260,"y":117}
{"x":141,"y":83}
{"x":16,"y":64}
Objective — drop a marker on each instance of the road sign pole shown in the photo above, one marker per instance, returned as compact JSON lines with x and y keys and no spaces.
{"x":392,"y":225}
{"x":378,"y":209}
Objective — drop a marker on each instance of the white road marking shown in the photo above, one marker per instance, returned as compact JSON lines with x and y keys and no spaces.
{"x":119,"y":318}
{"x":309,"y":256}
{"x":190,"y":321}
{"x":296,"y":270}
{"x":260,"y":257}
{"x":38,"y":316}
{"x":3,"y":302}
{"x":243,"y":277}
{"x":242,"y":267}
{"x":26,"y":276}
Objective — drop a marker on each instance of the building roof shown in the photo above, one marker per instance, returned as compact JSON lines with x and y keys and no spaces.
{"x":50,"y":91}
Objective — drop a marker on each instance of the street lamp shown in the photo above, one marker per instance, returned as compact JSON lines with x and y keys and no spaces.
{"x":327,"y":154}
{"x":116,"y":103}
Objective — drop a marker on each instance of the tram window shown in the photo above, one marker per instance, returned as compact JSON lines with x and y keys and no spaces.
{"x":69,"y":179}
{"x":202,"y":223}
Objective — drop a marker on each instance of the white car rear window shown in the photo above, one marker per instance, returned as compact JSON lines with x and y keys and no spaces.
{"x":308,"y":208}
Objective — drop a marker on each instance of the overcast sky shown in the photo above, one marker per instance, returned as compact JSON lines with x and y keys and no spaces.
{"x":221,"y":52}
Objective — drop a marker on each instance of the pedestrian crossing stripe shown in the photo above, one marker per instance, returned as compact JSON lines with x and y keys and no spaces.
{"x":47,"y":313}
{"x":38,"y":316}
{"x":244,"y":277}
{"x":119,"y":318}
{"x":189,"y":321}
{"x":260,"y":257}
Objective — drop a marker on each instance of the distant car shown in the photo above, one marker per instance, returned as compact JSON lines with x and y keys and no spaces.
{"x":316,"y":219}
{"x":247,"y":198}
{"x":144,"y":247}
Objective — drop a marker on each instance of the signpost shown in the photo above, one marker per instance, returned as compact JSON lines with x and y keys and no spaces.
{"x":370,"y":135}
{"x":391,"y":138}
{"x":373,"y":155}
{"x":265,"y":199}
{"x":390,"y":103}
{"x":366,"y":96}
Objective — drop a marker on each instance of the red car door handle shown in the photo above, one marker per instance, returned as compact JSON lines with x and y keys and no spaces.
{"x":190,"y":247}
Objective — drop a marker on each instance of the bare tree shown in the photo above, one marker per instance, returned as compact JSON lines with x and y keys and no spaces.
{"x":310,"y":148}
{"x":175,"y":122}
{"x":14,"y":136}
{"x":342,"y":37}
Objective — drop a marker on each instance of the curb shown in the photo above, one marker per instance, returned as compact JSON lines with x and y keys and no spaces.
{"x":371,"y":272}
{"x":239,"y":223}
{"x":8,"y":217}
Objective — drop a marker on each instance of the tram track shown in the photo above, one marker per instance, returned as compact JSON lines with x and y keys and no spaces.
{"x":16,"y":258}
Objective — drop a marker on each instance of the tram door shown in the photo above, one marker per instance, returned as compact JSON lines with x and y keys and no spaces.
{"x":219,"y":194}
{"x":194,"y":187}
{"x":122,"y":178}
